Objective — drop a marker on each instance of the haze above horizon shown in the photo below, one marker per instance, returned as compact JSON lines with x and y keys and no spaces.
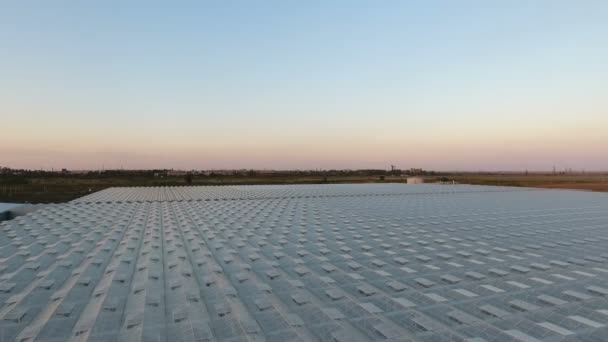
{"x":442,"y":85}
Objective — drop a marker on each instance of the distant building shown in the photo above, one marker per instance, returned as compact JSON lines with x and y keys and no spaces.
{"x":176,"y":173}
{"x":415,"y":180}
{"x":266,"y":172}
{"x":79,"y":172}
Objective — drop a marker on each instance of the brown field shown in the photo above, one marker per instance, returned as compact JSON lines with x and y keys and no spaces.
{"x":66,"y":188}
{"x":589,"y":182}
{"x":602,"y":187}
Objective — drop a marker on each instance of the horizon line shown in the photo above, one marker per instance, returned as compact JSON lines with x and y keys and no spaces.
{"x":554,"y":171}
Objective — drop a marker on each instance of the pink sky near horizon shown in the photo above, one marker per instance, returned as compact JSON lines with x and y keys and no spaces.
{"x":513,"y":145}
{"x":442,"y":85}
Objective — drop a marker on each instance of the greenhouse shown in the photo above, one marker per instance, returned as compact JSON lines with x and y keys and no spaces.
{"x":370,"y":262}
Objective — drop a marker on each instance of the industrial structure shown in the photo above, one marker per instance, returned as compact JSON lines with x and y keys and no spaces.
{"x":415,"y":180}
{"x":345,"y":263}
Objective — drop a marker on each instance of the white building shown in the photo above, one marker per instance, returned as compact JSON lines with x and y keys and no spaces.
{"x":415,"y":180}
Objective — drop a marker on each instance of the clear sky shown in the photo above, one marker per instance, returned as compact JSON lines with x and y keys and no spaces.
{"x":447,"y":85}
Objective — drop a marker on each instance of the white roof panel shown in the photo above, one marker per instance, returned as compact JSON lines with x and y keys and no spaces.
{"x":319,"y":262}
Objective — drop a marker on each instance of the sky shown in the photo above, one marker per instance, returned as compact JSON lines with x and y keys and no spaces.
{"x":441,"y":85}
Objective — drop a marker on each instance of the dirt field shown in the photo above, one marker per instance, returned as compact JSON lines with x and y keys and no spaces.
{"x":589,"y":182}
{"x":66,"y":188}
{"x":603,"y":187}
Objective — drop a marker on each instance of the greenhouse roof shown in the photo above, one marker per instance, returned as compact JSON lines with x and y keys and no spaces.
{"x":313,"y":263}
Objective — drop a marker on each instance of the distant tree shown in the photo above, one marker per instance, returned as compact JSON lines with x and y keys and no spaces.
{"x":188,"y":178}
{"x":18,"y":179}
{"x":444,"y":179}
{"x":381,"y":178}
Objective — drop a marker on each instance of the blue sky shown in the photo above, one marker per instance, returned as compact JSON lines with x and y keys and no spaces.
{"x":304,"y":84}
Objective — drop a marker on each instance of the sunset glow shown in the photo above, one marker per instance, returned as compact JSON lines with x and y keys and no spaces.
{"x":304,"y":85}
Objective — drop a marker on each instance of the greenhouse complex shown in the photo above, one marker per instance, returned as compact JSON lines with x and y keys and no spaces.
{"x":370,"y":262}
